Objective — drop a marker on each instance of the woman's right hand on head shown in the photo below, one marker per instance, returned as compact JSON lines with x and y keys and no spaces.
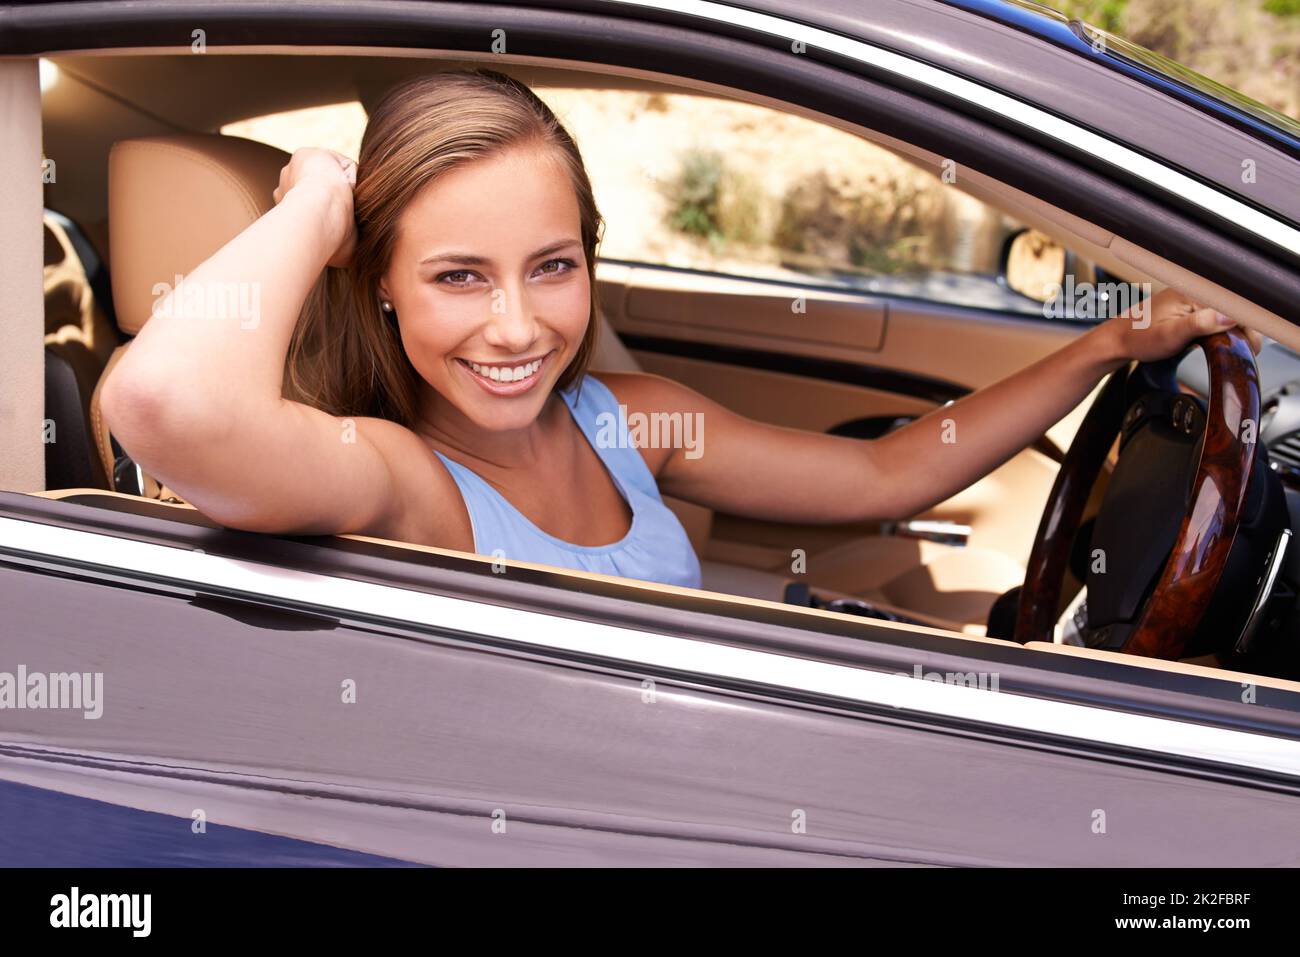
{"x":334,"y":175}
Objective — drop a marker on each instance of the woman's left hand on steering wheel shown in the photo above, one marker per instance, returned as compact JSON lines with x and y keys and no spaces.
{"x":1164,"y":325}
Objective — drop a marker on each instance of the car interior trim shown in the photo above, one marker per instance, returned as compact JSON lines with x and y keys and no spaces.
{"x":832,"y":370}
{"x":675,"y":654}
{"x":897,"y":381}
{"x":22,"y":360}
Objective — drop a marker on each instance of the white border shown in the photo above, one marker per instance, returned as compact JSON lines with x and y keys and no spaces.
{"x":1117,"y":155}
{"x":192,"y":568}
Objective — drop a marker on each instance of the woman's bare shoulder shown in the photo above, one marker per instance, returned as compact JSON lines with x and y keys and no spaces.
{"x":655,"y":402}
{"x":648,"y":392}
{"x":429,"y":509}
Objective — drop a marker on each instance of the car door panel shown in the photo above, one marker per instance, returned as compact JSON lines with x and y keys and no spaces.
{"x":769,"y":315}
{"x":457,"y":750}
{"x":727,"y":338}
{"x":932,"y":341}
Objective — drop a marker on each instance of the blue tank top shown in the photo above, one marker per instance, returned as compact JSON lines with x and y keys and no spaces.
{"x":655,"y":548}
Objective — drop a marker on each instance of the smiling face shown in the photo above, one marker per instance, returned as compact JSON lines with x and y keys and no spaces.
{"x":490,"y":283}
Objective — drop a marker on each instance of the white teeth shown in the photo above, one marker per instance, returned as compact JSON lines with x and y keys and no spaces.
{"x":509,"y":373}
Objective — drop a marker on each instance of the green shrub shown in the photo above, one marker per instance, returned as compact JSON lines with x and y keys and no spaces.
{"x":707,"y":199}
{"x":1106,"y":14}
{"x":1283,"y":8}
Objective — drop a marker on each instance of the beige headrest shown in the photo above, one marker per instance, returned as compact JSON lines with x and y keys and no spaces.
{"x":175,"y":200}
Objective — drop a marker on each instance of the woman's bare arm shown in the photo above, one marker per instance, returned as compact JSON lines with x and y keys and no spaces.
{"x":754,"y":469}
{"x":196,"y":400}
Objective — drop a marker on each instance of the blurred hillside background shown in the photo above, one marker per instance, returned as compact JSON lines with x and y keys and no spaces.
{"x":1252,"y":46}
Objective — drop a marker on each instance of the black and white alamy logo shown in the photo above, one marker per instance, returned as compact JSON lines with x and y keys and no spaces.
{"x":76,"y":909}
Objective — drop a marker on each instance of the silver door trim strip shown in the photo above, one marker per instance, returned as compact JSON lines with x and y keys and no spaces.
{"x":191,"y":568}
{"x":1116,"y":154}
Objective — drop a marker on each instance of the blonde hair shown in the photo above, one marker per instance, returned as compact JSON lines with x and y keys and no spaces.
{"x":346,"y":355}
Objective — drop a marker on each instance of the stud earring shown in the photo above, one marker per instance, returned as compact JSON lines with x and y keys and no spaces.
{"x":385,"y":305}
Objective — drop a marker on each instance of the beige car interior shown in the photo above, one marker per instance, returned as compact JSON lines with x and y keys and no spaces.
{"x":169,"y":193}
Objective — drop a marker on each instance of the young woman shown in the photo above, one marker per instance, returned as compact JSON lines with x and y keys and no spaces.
{"x":419,"y":368}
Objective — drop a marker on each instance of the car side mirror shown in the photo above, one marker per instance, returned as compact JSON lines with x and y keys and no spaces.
{"x":1034,"y":265}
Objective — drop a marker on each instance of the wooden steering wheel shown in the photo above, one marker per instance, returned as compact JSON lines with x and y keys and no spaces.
{"x":1178,"y":490}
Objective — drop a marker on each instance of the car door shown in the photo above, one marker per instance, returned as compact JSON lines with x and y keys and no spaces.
{"x":277,"y":701}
